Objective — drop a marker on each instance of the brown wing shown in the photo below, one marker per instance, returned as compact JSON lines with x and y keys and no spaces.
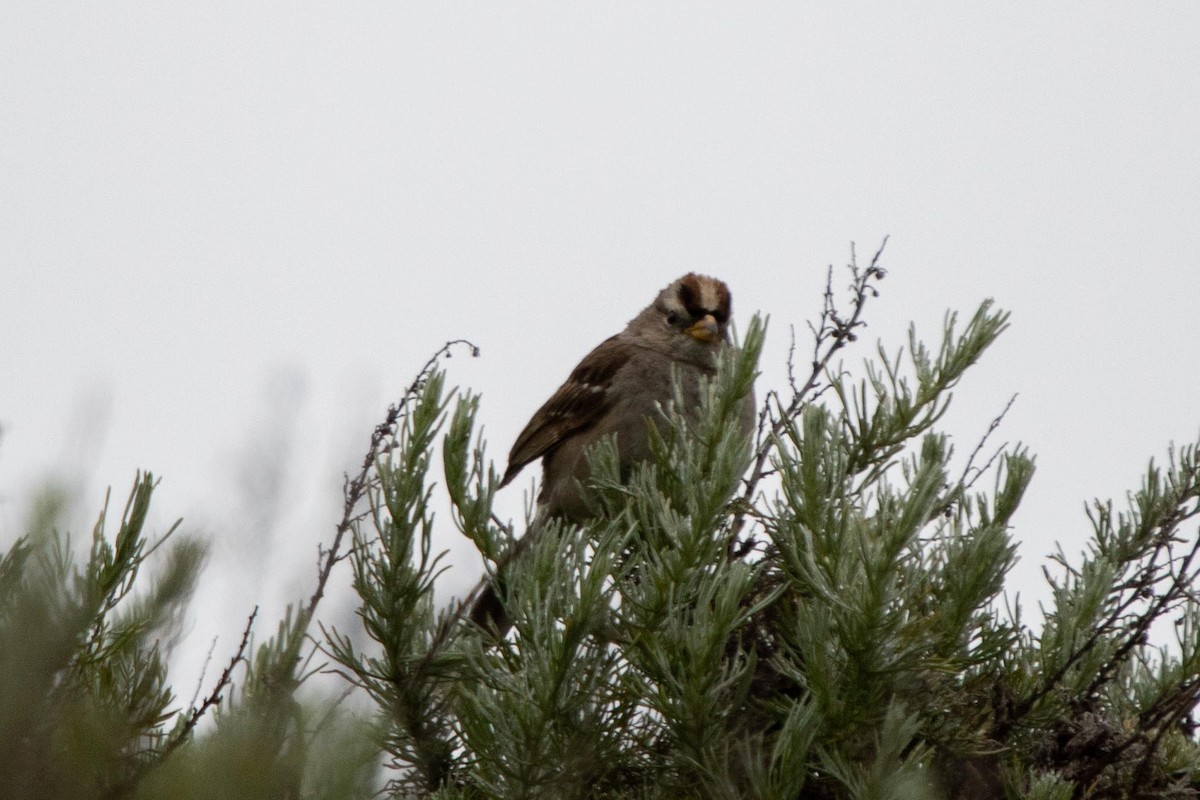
{"x":575,"y":407}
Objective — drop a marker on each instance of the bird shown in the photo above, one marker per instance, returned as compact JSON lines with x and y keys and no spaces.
{"x":616,"y":389}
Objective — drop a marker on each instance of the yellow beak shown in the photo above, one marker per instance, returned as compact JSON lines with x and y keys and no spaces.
{"x":706,"y":329}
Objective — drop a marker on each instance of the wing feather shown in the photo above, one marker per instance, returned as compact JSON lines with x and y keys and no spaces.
{"x":577,"y":405}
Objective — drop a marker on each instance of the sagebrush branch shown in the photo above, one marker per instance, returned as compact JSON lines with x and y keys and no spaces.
{"x":833,"y":332}
{"x":354,"y":488}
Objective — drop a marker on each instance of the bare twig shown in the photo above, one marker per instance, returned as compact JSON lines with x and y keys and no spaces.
{"x":791,"y":360}
{"x":354,"y":488}
{"x":203,"y":671}
{"x":833,"y":332}
{"x":123,"y":786}
{"x":966,"y":480}
{"x":995,"y":423}
{"x":1133,"y":627}
{"x":214,"y":697}
{"x":1141,"y":627}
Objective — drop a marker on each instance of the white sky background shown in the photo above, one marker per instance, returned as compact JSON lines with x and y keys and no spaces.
{"x":230,"y":235}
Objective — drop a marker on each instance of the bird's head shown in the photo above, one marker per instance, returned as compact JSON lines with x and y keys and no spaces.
{"x":689,"y":319}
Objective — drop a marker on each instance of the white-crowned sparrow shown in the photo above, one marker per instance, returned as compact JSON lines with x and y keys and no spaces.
{"x":614,"y":391}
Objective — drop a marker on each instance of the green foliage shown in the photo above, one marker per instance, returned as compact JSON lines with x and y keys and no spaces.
{"x":815,"y":613}
{"x":85,"y":708}
{"x":83,"y":693}
{"x":394,"y":573}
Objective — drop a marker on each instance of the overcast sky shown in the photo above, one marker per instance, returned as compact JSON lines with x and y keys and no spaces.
{"x":230,"y":234}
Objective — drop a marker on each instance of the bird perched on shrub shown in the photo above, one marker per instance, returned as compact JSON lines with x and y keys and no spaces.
{"x":615,"y":391}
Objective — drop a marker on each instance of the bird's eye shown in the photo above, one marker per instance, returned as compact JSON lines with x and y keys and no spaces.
{"x":672,"y":318}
